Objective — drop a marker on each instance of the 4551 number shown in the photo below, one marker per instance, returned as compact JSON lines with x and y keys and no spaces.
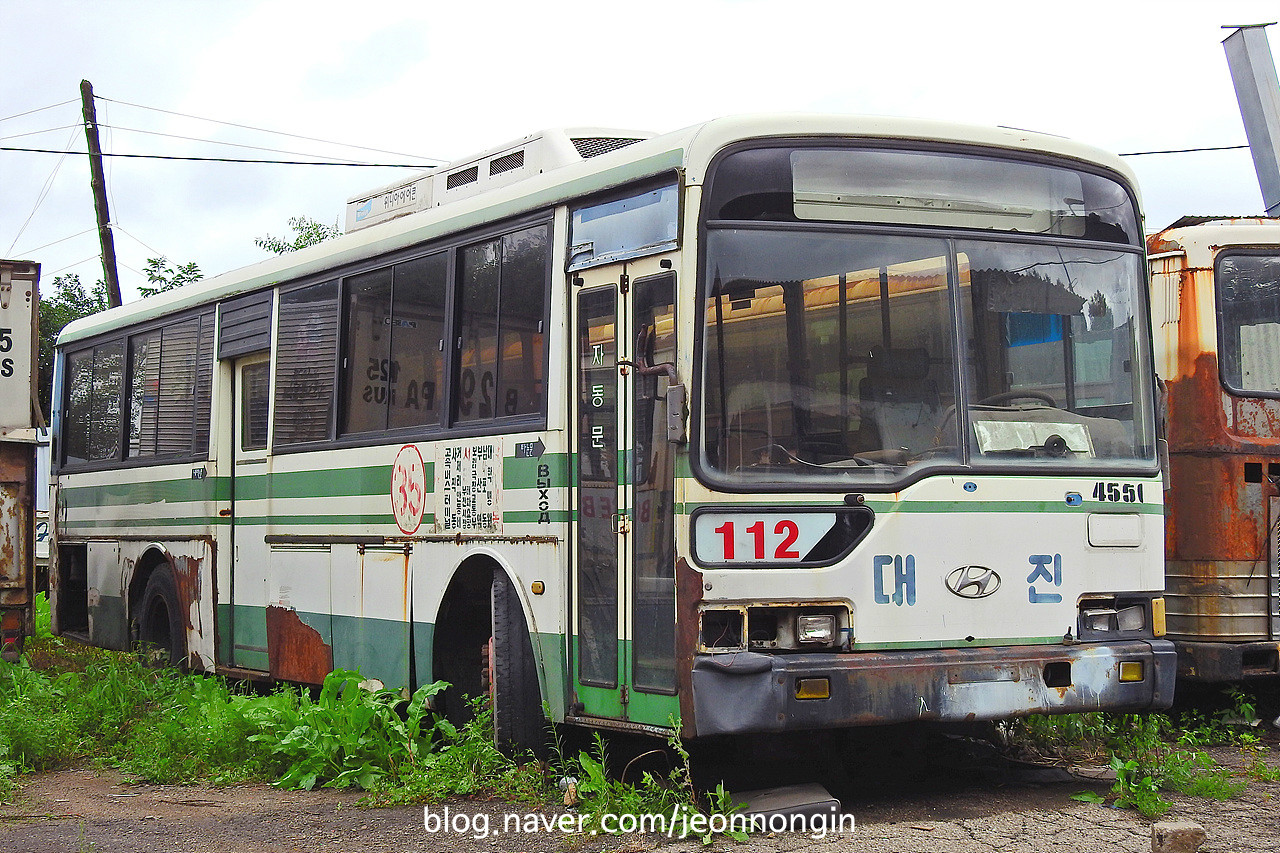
{"x":1128,"y":493}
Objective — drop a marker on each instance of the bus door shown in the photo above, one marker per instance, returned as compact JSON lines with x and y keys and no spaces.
{"x":623,"y":574}
{"x":249,"y":417}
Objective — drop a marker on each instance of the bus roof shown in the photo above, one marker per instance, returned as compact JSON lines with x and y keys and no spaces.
{"x":690,"y":149}
{"x":1201,"y":237}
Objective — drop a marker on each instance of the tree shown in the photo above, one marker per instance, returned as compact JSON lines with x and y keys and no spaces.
{"x":165,"y":277}
{"x":306,"y":232}
{"x":69,"y":301}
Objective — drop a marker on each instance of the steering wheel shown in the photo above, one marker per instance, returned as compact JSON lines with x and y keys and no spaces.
{"x":1010,"y":396}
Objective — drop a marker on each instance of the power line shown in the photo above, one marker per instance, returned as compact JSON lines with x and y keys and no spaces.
{"x":37,"y":110}
{"x":56,"y":242}
{"x":118,"y":227}
{"x":76,"y":264}
{"x":216,"y":142}
{"x":38,"y":132}
{"x":267,"y":130}
{"x":44,"y":191}
{"x":225,"y":159}
{"x":1184,"y":150}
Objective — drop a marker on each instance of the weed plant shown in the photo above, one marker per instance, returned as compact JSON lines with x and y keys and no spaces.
{"x":1150,"y":753}
{"x":167,"y":727}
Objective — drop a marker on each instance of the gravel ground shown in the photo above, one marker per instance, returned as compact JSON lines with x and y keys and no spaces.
{"x":989,"y":804}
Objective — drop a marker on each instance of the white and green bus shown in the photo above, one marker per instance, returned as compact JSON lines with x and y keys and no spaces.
{"x":768,"y":424}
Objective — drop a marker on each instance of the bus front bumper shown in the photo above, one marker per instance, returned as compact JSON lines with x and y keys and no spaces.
{"x":743,"y":692}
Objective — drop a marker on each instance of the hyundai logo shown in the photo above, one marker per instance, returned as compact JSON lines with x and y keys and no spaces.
{"x":973,"y":581}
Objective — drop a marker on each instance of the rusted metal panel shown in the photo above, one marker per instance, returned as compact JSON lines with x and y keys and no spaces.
{"x":752,"y":692}
{"x":688,"y":597}
{"x":1217,"y":599}
{"x":1215,"y":661}
{"x":295,"y":650}
{"x":13,"y":553}
{"x":1224,"y":448}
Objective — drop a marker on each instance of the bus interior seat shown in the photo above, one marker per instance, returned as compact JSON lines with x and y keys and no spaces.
{"x":900,"y":401}
{"x":760,"y":413}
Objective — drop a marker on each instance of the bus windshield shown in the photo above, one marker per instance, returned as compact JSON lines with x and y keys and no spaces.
{"x":863,"y":356}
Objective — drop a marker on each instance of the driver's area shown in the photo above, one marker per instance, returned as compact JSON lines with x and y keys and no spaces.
{"x":833,"y":357}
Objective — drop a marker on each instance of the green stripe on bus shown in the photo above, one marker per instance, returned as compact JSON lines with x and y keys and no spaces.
{"x":184,"y":490}
{"x":74,"y":524}
{"x":916,"y":506}
{"x":329,"y":482}
{"x":310,"y":520}
{"x":522,"y":473}
{"x":533,"y":516}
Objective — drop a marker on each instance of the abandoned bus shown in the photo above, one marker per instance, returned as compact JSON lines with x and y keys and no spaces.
{"x":768,"y":424}
{"x":1215,"y":296}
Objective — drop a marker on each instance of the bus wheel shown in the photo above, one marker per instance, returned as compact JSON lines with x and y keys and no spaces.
{"x":519,"y":725}
{"x":161,"y":637}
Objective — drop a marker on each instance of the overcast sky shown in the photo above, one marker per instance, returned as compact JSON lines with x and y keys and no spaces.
{"x":444,"y":80}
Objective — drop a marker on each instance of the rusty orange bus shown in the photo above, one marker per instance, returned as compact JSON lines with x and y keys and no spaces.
{"x":1215,"y":293}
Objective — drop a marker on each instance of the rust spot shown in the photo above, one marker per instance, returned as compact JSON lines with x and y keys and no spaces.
{"x":1158,"y":244}
{"x":1213,"y":512}
{"x":688,"y":597}
{"x":295,"y":650}
{"x":186,"y":574}
{"x":194,"y":661}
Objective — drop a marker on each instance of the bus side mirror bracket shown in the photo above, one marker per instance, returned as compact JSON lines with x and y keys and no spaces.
{"x":676,"y":433}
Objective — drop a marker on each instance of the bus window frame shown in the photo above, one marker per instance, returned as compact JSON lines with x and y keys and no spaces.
{"x":1219,"y":322}
{"x":717,"y":480}
{"x":673,"y":180}
{"x":122,"y":459}
{"x":446,"y":427}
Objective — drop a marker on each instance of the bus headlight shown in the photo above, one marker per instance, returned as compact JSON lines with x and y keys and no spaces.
{"x":1132,"y":618}
{"x":1101,"y":616}
{"x":1098,"y":620}
{"x":815,"y":629}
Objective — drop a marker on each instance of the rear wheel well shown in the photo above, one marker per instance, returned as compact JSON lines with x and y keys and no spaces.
{"x":146,"y":566}
{"x":482,"y":648}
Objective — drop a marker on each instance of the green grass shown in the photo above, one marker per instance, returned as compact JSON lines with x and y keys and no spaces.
{"x":64,"y":703}
{"x":1151,"y":753}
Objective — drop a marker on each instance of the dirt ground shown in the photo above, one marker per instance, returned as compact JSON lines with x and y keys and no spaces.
{"x":990,"y":804}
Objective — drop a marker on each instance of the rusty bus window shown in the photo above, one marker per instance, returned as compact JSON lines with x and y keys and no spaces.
{"x":1249,"y":302}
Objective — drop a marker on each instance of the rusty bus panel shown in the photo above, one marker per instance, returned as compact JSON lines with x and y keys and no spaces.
{"x":1224,"y":454}
{"x":19,"y":301}
{"x":295,"y":650}
{"x":753,"y":692}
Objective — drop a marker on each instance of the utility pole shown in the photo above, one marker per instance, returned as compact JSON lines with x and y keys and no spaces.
{"x":1254,"y":74}
{"x":98,"y":182}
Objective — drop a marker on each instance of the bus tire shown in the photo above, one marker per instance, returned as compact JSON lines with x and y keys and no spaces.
{"x":519,"y":725}
{"x":162,"y":638}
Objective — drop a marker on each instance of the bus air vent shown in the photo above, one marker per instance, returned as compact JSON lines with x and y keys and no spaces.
{"x":462,"y":178}
{"x":507,"y":162}
{"x":594,"y":146}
